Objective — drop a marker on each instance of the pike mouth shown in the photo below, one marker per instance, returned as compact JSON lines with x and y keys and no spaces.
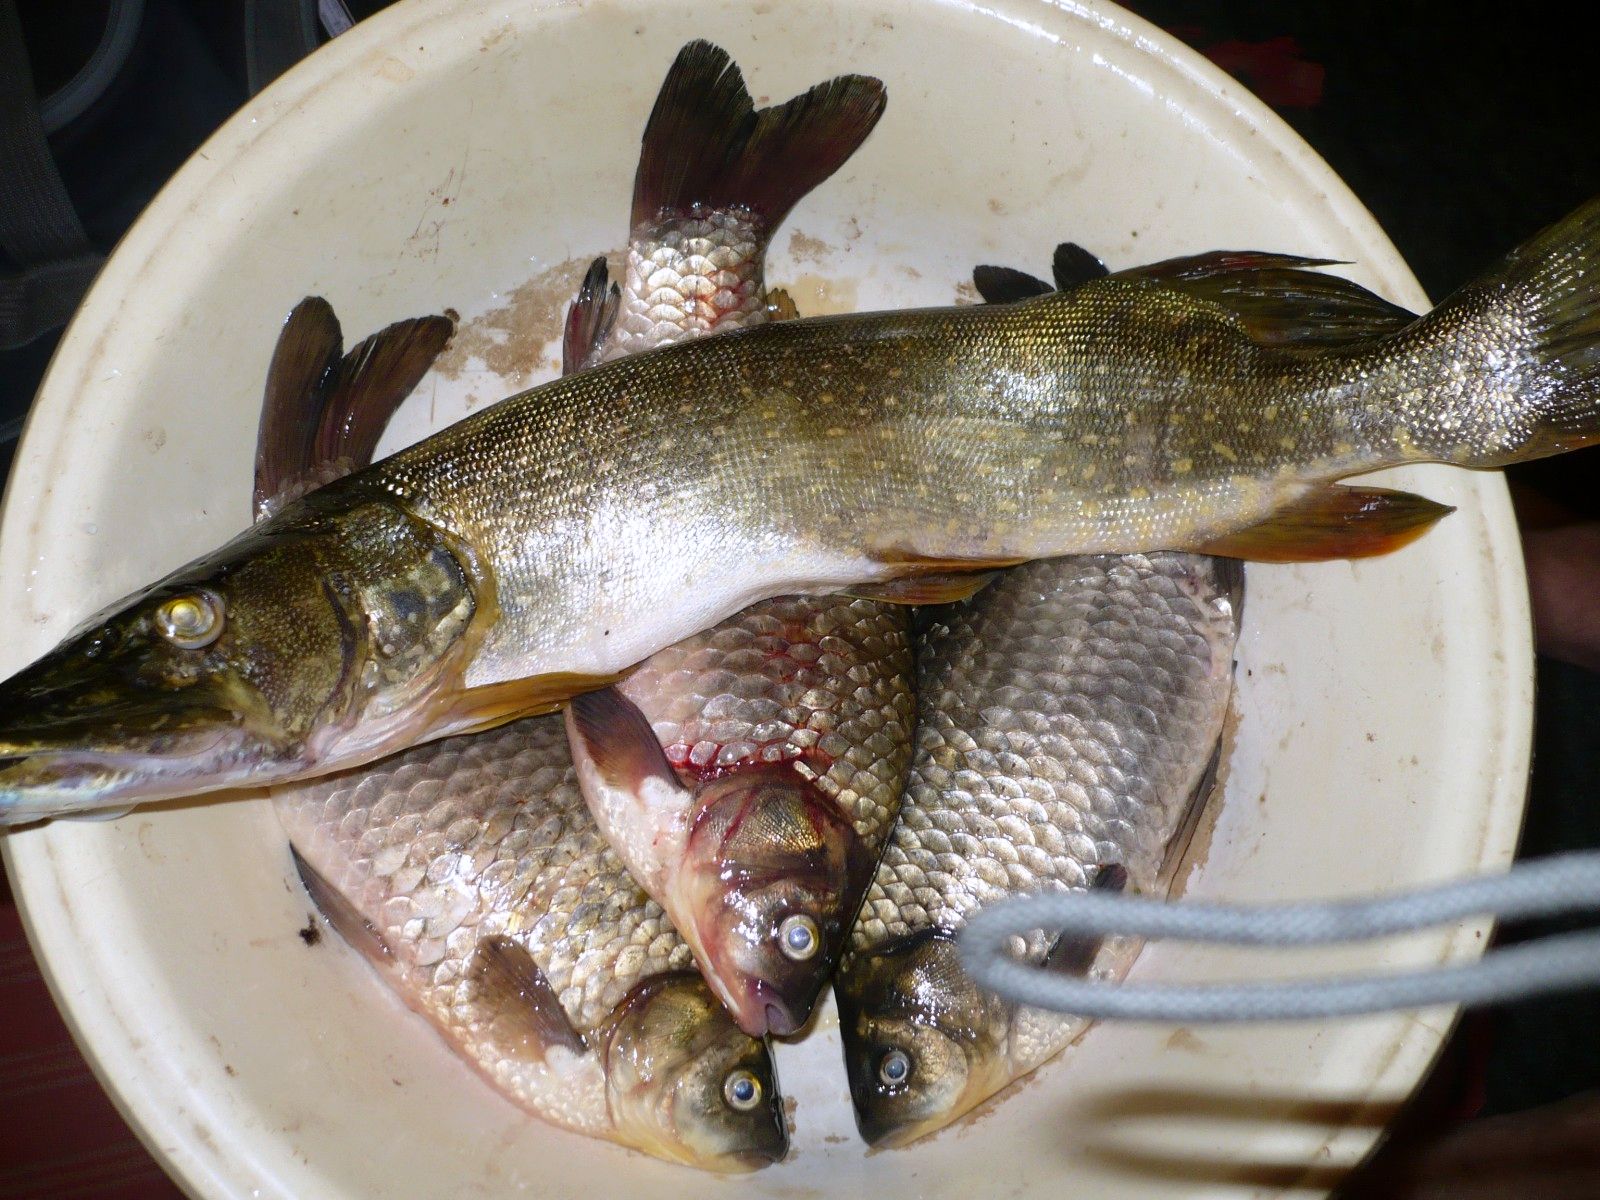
{"x":58,"y":781}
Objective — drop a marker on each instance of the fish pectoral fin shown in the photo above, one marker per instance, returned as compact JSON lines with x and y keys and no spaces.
{"x":1005,"y":285}
{"x":706,"y":142}
{"x":1076,"y":955}
{"x":513,"y":999}
{"x":371,"y":382}
{"x":920,"y":579}
{"x":476,"y":709}
{"x":1072,"y":265}
{"x":781,"y":306}
{"x":590,"y":319}
{"x":613,"y":744}
{"x":1333,"y":522}
{"x":1279,"y":300}
{"x":343,"y":916}
{"x":924,"y":589}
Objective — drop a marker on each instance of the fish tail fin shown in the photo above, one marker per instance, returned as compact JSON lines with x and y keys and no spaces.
{"x":324,"y":410}
{"x":1530,"y":328}
{"x":707,"y":145}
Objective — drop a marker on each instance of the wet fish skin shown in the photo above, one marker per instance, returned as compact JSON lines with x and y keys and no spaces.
{"x":716,"y":177}
{"x":1067,"y":717}
{"x":778,"y":743}
{"x":449,"y":859}
{"x":600,"y":517}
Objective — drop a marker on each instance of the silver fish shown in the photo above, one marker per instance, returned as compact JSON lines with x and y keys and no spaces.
{"x":471,"y":874}
{"x":1067,"y":717}
{"x":749,"y":777}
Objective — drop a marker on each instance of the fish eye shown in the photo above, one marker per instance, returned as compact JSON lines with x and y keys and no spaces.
{"x":742,"y":1090}
{"x":894,"y":1068}
{"x":797,"y":937}
{"x":191,"y":621}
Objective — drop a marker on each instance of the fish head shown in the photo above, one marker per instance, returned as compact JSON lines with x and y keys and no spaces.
{"x":685,"y":1084}
{"x":242,"y":668}
{"x":923,"y":1043}
{"x":771,"y":879}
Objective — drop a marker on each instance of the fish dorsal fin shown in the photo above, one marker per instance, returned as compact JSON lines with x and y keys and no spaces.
{"x":515,"y":1002}
{"x":1005,"y":285}
{"x":1279,"y":299}
{"x":706,"y":143}
{"x":1072,"y":265}
{"x":323,"y":411}
{"x":590,"y":319}
{"x":343,"y":916}
{"x":1333,"y":522}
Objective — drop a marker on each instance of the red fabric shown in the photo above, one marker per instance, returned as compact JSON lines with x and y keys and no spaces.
{"x":60,"y":1137}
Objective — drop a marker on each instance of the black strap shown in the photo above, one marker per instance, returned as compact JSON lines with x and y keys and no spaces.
{"x":277,"y":34}
{"x":39,"y":229}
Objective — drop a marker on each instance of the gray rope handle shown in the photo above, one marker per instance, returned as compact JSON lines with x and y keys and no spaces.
{"x":1552,"y":886}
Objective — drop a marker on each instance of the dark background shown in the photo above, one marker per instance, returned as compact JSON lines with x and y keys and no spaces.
{"x":1462,"y":127}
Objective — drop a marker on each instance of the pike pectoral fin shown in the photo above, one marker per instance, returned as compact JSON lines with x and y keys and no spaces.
{"x":342,"y":915}
{"x":924,"y":589}
{"x":516,"y":1001}
{"x":372,"y":381}
{"x":1075,"y":955}
{"x":590,"y":318}
{"x":476,"y":709}
{"x":1336,"y":522}
{"x":323,"y":413}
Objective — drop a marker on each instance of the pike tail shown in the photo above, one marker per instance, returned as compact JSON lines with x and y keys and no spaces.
{"x":1528,"y":335}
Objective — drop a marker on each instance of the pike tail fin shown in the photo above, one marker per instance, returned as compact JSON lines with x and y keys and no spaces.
{"x":1529,"y":330}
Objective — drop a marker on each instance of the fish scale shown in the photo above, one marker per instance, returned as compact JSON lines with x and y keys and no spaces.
{"x":1067,"y":716}
{"x":823,"y":681}
{"x":687,"y":276}
{"x":477,"y":837}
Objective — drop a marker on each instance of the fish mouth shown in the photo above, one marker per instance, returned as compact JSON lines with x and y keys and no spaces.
{"x":39,"y":779}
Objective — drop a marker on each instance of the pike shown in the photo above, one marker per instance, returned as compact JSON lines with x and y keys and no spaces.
{"x":542,"y":547}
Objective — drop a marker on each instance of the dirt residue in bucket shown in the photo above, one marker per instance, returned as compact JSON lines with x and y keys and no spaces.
{"x":510,"y":338}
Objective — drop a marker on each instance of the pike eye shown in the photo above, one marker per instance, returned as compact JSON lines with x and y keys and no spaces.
{"x":797,"y":937}
{"x":191,"y":621}
{"x":894,"y":1068}
{"x":742,"y":1090}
